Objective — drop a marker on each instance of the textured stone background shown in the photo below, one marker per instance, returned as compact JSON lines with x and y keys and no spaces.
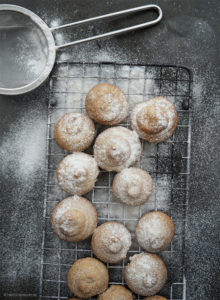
{"x":189,"y":36}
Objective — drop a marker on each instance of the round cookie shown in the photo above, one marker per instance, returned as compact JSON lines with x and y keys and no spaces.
{"x":116,"y":292}
{"x":74,"y":132}
{"x":117,"y":148}
{"x":87,"y":277}
{"x":77,"y":173}
{"x":106,"y":104}
{"x":154,"y":231}
{"x":154,"y":120}
{"x":156,"y":297}
{"x":146,"y":274}
{"x":132,"y":186}
{"x":111,"y":242}
{"x":74,"y":219}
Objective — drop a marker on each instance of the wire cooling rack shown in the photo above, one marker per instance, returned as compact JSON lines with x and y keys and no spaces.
{"x":167,"y":162}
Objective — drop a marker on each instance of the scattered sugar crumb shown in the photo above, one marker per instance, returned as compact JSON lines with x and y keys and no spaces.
{"x":23,"y":148}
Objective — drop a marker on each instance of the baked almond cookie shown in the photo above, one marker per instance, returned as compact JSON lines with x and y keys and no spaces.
{"x":154,"y":120}
{"x":87,"y":277}
{"x":132,"y":186}
{"x":116,"y":292}
{"x":154,"y":231}
{"x":77,"y":173}
{"x":146,"y":274}
{"x":156,"y":297}
{"x":117,"y":148}
{"x":106,"y":104}
{"x":74,"y":132}
{"x":111,"y":242}
{"x":74,"y":219}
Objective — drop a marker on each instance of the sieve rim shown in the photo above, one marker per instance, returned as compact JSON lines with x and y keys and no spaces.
{"x":51,"y":51}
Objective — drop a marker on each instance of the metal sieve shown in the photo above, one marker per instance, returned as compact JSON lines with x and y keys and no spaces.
{"x":28,"y":49}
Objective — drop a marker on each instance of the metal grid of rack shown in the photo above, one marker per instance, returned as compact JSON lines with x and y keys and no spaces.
{"x":167,"y":162}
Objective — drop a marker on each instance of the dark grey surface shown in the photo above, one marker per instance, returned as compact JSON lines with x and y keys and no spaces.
{"x":189,"y":36}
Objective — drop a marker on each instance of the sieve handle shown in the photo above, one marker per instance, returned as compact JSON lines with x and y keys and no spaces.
{"x":115,"y":32}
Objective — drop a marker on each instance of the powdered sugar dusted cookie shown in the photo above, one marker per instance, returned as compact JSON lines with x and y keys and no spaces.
{"x":74,"y":219}
{"x":111,"y":242}
{"x":117,"y":148}
{"x":146,"y":274}
{"x":155,"y":231}
{"x":74,"y":132}
{"x":154,"y":120}
{"x":77,"y":173}
{"x":106,"y":104}
{"x":132,"y":186}
{"x":87,"y":277}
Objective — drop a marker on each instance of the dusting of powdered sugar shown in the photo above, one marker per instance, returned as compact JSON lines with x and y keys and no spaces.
{"x":30,"y":58}
{"x":108,"y":102}
{"x":64,"y":206}
{"x":76,"y":131}
{"x":73,"y":124}
{"x":135,"y":179}
{"x":170,"y":113}
{"x":115,"y":110}
{"x":33,"y":64}
{"x":119,"y":231}
{"x":74,"y":203}
{"x":153,"y":232}
{"x":146,"y":274}
{"x":22,"y":149}
{"x":119,"y":133}
{"x":111,"y":241}
{"x":77,"y":173}
{"x":89,"y":53}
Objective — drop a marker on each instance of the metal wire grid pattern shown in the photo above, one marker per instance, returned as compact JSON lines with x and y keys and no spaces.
{"x":167,"y":162}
